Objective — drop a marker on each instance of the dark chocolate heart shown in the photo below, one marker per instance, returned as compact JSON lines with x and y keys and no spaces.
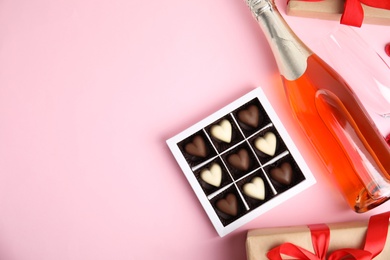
{"x":239,"y":160}
{"x":197,"y":147}
{"x":282,"y":174}
{"x":228,"y":205}
{"x":249,"y":116}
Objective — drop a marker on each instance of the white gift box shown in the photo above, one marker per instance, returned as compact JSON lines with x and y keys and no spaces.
{"x":240,"y":162}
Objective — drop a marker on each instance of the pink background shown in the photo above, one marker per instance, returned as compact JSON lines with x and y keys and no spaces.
{"x":89,"y":92}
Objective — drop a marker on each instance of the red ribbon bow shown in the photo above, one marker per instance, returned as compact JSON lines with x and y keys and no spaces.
{"x":353,"y":10}
{"x":375,"y":241}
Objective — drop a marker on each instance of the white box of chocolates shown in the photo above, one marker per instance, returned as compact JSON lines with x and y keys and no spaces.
{"x":240,"y":162}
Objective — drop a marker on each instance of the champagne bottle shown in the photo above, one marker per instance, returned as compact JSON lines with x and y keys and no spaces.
{"x":332,"y":117}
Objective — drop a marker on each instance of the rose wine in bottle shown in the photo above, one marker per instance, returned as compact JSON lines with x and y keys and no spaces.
{"x":330,"y":114}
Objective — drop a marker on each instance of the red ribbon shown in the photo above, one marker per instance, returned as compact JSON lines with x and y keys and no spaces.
{"x":353,"y":13}
{"x":320,"y":234}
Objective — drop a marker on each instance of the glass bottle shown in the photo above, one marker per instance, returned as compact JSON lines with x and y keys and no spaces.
{"x":332,"y":117}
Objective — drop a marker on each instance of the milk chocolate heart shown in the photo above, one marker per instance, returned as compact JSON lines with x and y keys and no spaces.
{"x":266,"y":144}
{"x":282,"y":174}
{"x":255,"y":189}
{"x":228,"y":205}
{"x":239,"y":160}
{"x":249,"y":116}
{"x":222,"y":131}
{"x":212,"y":176}
{"x":197,"y":147}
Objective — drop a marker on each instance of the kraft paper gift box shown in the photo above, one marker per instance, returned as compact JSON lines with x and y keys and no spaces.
{"x":333,"y":10}
{"x":341,"y":236}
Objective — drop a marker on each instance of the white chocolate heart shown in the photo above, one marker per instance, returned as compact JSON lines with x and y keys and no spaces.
{"x":267,"y":143}
{"x":222,"y":131}
{"x":255,"y":189}
{"x":212,"y":176}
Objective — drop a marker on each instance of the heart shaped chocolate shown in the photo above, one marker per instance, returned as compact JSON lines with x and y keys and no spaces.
{"x":239,"y":160}
{"x":197,"y":147}
{"x":282,"y":174}
{"x":266,"y":144}
{"x":212,"y":176}
{"x":255,"y":189}
{"x":228,"y":205}
{"x":222,"y":131}
{"x":249,"y":116}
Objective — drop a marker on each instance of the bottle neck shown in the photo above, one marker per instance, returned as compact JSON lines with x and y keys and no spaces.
{"x":290,"y":52}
